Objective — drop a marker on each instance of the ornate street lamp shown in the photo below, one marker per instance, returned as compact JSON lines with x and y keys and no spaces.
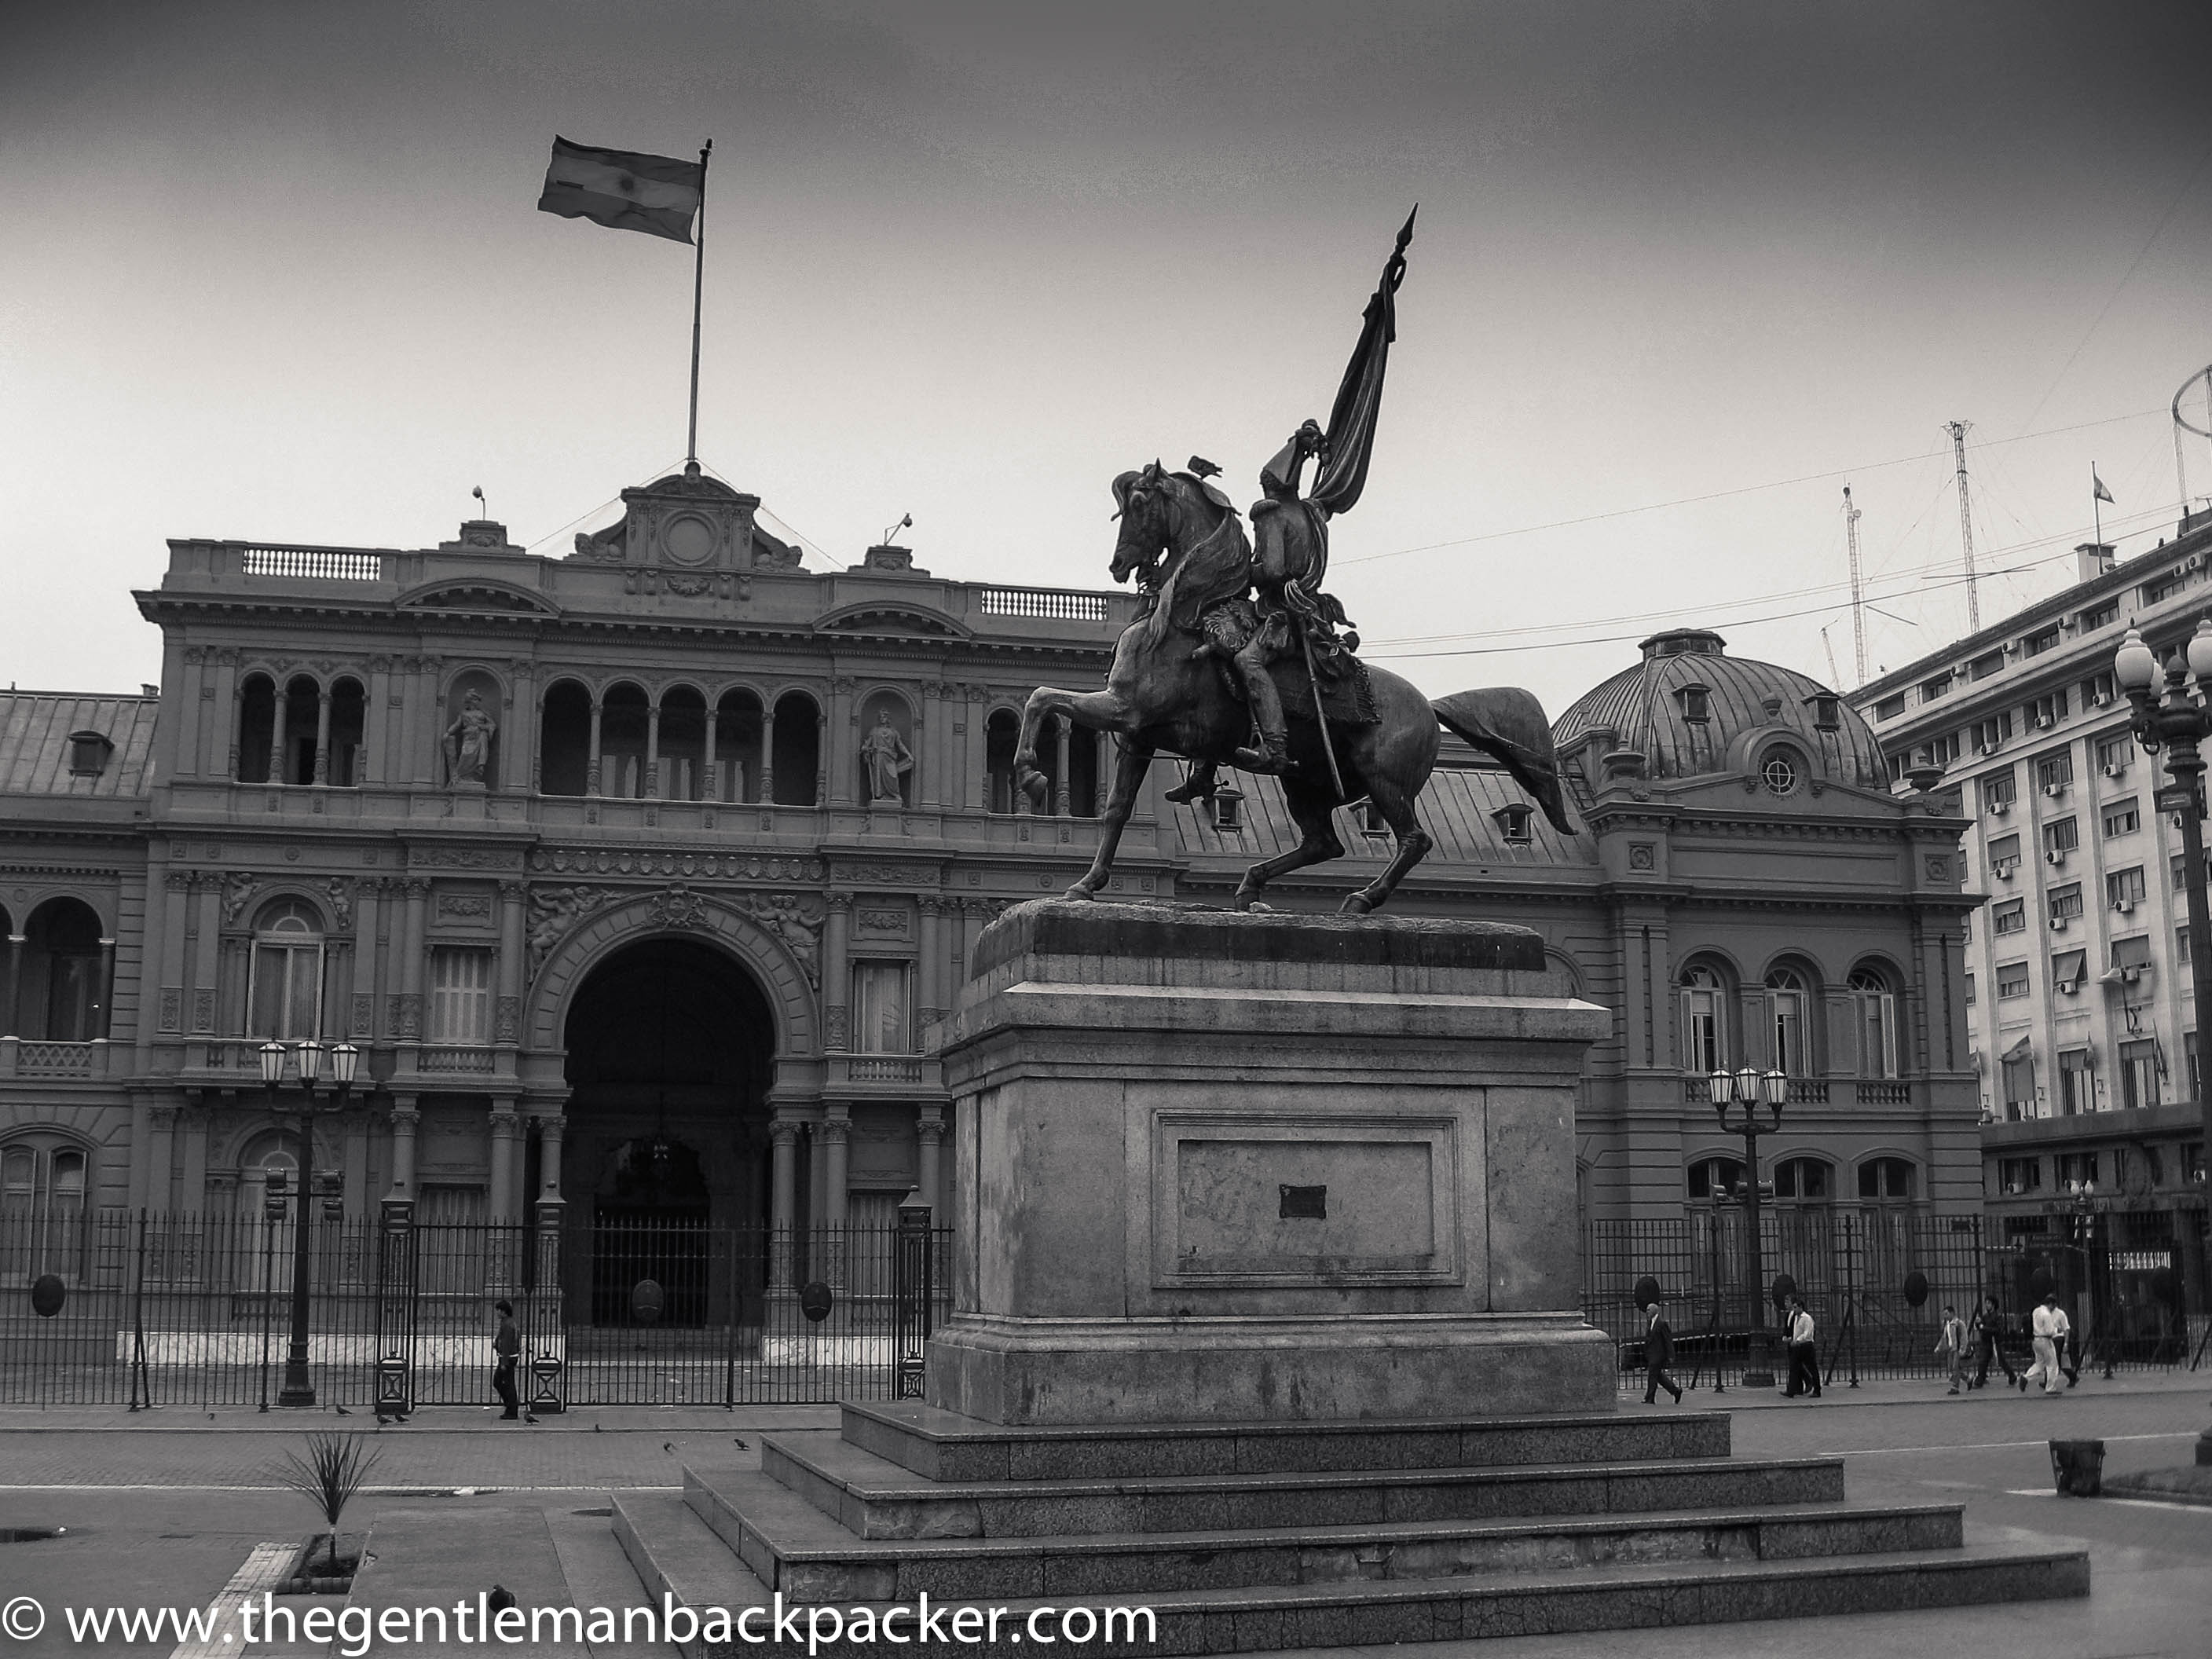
{"x":2178,"y":723}
{"x":1742,"y":1093}
{"x":307,"y":1060}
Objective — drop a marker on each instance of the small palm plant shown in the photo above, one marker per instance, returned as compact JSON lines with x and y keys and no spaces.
{"x":328,"y":1476}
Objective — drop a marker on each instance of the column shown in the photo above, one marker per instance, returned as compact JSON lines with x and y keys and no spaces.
{"x":928,"y":747}
{"x":1104,"y":771}
{"x":973,"y":749}
{"x":253,"y":1197}
{"x":1062,"y":733}
{"x":9,"y":1025}
{"x":653,"y":749}
{"x":930,"y":1001}
{"x":833,"y":747}
{"x":277,"y":739}
{"x":405,"y":1118}
{"x":160,"y":1157}
{"x":929,"y":1139}
{"x":376,"y":723}
{"x":550,"y":1129}
{"x":505,"y":1124}
{"x":822,"y":764}
{"x":192,"y":1190}
{"x":783,"y":1197}
{"x":710,"y":779}
{"x":836,"y":971}
{"x":517,"y":744}
{"x":106,"y":1024}
{"x":323,"y":737}
{"x":592,"y":765}
{"x":835,"y":1134}
{"x":408,"y":1028}
{"x":354,"y":1128}
{"x":507,"y":1010}
{"x":768,"y":754}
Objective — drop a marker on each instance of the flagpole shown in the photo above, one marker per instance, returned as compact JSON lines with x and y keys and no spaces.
{"x":698,"y":291}
{"x":2096,"y":504}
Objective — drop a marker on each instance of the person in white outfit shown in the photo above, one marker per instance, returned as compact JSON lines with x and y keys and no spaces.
{"x":2049,"y":1329}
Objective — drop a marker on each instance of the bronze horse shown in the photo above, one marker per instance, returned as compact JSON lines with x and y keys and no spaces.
{"x":1187,"y":548}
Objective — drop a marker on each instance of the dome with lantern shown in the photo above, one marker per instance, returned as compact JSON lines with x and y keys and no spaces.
{"x":1689,"y":709}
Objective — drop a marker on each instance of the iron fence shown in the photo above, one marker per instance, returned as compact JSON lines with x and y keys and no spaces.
{"x":1876,"y":1280}
{"x":174,"y":1309}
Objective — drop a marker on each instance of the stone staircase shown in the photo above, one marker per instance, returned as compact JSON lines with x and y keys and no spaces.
{"x":1252,"y":1537}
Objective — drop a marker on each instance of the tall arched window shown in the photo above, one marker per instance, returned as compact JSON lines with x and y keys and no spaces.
{"x":286,"y":994}
{"x":1874,"y":1005}
{"x":256,"y":727}
{"x":1885,"y":1180}
{"x":798,"y":757}
{"x":1807,"y":1180}
{"x":42,"y":1194}
{"x":1000,"y":732}
{"x":61,"y":998}
{"x":1789,"y":1023}
{"x":1704,"y":1019}
{"x":1715,"y":1177}
{"x":564,"y":740}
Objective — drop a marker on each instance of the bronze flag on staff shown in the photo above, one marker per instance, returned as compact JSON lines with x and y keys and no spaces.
{"x":1350,"y":436}
{"x":624,"y":190}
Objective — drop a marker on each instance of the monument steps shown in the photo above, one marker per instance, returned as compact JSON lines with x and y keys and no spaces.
{"x":789,"y":1546}
{"x":942,"y":1445}
{"x":873,"y":1498}
{"x":1587,"y":1597}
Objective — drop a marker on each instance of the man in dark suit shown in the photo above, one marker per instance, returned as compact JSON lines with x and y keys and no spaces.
{"x":1658,"y":1356}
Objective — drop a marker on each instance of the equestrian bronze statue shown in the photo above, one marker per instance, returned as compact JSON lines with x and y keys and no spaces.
{"x":1238,"y":657}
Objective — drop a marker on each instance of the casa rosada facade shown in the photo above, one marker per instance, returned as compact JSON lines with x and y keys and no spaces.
{"x":637,"y":876}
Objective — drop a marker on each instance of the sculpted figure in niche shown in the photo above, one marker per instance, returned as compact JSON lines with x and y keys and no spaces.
{"x":468,"y":741}
{"x":886,"y":755}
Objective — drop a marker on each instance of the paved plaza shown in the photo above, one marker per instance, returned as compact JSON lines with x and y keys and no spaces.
{"x":163,"y":1508}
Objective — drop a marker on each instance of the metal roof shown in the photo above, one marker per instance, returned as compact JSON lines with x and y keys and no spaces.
{"x":35,"y":728}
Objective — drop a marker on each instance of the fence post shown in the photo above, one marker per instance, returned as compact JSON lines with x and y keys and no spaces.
{"x":395,"y":1307}
{"x":911,"y":1294}
{"x":549,"y":1332}
{"x":138,"y":1378}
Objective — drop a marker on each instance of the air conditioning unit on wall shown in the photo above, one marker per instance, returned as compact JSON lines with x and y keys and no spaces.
{"x":2054,"y":858}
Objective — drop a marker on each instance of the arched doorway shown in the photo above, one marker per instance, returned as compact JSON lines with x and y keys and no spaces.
{"x":665,"y":1159}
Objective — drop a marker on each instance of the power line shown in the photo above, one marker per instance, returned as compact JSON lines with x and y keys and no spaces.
{"x":1721,"y":494}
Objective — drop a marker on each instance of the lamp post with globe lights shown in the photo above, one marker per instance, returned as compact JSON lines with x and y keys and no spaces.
{"x":2177,"y":723}
{"x":1743,"y":1093}
{"x":307,"y":1061}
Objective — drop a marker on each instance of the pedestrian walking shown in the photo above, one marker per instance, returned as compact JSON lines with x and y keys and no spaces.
{"x":2047,"y":1323}
{"x":1658,"y":1356}
{"x":1804,"y":1353}
{"x":506,"y":1349}
{"x":2066,"y":1345}
{"x":1951,"y":1348}
{"x":1987,"y":1331}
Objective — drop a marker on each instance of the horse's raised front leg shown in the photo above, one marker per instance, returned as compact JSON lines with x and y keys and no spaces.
{"x":1100,"y":711}
{"x":1312,"y":810}
{"x":1128,"y":781}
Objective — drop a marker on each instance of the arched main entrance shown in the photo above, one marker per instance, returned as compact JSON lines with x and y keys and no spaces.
{"x":671,"y":1051}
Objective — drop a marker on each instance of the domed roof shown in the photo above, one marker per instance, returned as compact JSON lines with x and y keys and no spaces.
{"x":1687,"y":703}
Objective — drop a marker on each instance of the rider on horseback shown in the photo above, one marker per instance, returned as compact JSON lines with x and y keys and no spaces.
{"x":1290,"y":556}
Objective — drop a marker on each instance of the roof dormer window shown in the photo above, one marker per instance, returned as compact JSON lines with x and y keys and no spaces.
{"x":1513,"y":824}
{"x":1697,"y":702}
{"x":1827,"y":711}
{"x":88,"y":753}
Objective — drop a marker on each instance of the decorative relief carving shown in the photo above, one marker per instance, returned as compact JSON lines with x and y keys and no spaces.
{"x":172,"y":1007}
{"x":1642,"y":856}
{"x":885,"y":875}
{"x":341,"y":891}
{"x":677,"y":907}
{"x":662,"y":862}
{"x":237,"y":888}
{"x":506,"y":1019}
{"x":836,"y":1023}
{"x":405,"y":1009}
{"x":462,"y":858}
{"x":882,"y":921}
{"x":202,"y":1011}
{"x":553,"y":911}
{"x":1938,"y":866}
{"x":364,"y":1013}
{"x":464,"y":906}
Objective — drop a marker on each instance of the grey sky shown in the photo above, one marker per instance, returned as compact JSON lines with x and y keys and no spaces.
{"x":274,"y":272}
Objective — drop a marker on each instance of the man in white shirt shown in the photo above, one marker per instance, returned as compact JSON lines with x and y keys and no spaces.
{"x":1804,"y":1355}
{"x":2050,"y":1327}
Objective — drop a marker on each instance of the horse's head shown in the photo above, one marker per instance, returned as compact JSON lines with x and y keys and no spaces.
{"x":1146,"y":504}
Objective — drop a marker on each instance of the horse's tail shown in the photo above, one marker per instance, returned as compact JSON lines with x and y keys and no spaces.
{"x":1509,"y":724}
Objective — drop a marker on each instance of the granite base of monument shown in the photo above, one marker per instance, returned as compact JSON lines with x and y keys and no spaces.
{"x":1266,"y":1321}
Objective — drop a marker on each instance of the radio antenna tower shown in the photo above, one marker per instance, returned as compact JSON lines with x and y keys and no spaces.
{"x":1858,"y":597}
{"x":1957,"y":431}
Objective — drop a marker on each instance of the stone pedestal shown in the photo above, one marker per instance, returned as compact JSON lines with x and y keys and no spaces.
{"x":1225,"y":1167}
